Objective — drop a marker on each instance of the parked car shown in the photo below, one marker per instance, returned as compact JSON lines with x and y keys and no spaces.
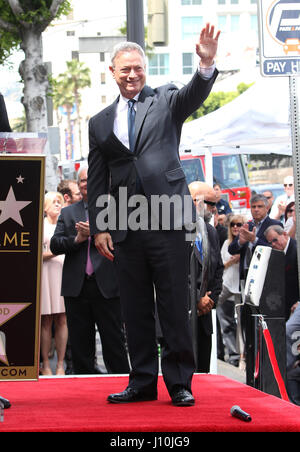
{"x":276,"y":189}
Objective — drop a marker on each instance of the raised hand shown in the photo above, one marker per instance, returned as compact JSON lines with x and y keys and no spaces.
{"x":207,"y":46}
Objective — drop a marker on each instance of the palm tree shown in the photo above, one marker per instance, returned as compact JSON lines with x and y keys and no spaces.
{"x":65,"y":90}
{"x":77,"y":77}
{"x":63,"y":97}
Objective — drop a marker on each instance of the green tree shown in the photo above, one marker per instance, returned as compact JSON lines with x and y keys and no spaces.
{"x":216,"y":100}
{"x":22,"y":23}
{"x":63,"y":97}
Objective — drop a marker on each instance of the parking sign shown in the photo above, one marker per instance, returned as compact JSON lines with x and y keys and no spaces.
{"x":279,"y":30}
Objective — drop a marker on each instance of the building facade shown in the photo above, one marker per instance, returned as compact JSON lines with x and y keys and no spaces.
{"x":173,"y":26}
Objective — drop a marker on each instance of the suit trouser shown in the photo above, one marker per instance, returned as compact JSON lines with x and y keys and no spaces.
{"x":154,"y":264}
{"x":90,"y":308}
{"x":204,"y":348}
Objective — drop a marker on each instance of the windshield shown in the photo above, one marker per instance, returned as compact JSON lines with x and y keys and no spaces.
{"x":228,"y":171}
{"x":193,"y":170}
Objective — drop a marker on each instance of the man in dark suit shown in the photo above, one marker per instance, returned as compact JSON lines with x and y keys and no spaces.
{"x":280,"y":240}
{"x":252,"y":233}
{"x":205,"y":199}
{"x":4,"y":127}
{"x":140,"y":157}
{"x":90,"y":289}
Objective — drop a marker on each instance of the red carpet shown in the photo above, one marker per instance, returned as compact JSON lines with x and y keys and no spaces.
{"x":79,"y":404}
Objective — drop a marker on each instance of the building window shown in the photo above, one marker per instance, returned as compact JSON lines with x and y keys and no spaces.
{"x":102,"y":78}
{"x":191,"y":2}
{"x":234,"y":22}
{"x":221,"y":2}
{"x":234,"y":2}
{"x":222,"y":21}
{"x":70,"y":33}
{"x":191,"y":27}
{"x":159,"y":64}
{"x":253,"y":2}
{"x":187,"y":63}
{"x":102,"y":57}
{"x":103,"y":99}
{"x":253,"y":23}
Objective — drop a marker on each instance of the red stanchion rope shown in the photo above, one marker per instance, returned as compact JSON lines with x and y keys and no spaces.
{"x":272,"y":356}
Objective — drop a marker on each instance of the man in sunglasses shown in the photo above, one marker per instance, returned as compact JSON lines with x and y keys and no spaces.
{"x":204,"y":198}
{"x":280,"y":203}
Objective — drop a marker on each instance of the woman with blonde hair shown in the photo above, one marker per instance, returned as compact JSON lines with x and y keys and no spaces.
{"x":231,"y":295}
{"x":52,"y":303}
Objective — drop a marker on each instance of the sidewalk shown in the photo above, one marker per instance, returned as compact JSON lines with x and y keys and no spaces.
{"x":230,"y":371}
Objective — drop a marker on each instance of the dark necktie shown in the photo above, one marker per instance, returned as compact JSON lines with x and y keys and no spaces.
{"x":131,"y":124}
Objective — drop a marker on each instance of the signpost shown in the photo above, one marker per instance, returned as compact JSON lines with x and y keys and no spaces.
{"x":279,"y":31}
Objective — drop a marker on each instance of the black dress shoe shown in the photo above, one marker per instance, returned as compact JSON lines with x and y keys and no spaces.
{"x":131,"y":395}
{"x":182,"y":397}
{"x":5,"y":402}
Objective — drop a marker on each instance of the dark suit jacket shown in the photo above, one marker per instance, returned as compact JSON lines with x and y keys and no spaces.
{"x":4,"y":123}
{"x":62,"y":242}
{"x":234,"y":247}
{"x":291,"y":277}
{"x":159,"y":118}
{"x":215,"y":275}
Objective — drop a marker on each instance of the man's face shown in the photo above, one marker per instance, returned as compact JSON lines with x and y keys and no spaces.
{"x":83,"y":184}
{"x":218,"y":192}
{"x":76,"y":195}
{"x":258,"y":210}
{"x":129,"y":73}
{"x":288,"y":188}
{"x":278,"y":242}
{"x":269,"y":197}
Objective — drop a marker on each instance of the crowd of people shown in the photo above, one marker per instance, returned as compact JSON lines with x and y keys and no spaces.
{"x":273,"y":224}
{"x":232,"y":239}
{"x":88,"y":268}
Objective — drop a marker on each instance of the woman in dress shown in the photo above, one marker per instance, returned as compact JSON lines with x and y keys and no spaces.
{"x":52,"y":303}
{"x":231,"y":296}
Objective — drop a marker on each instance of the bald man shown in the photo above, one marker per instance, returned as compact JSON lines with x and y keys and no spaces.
{"x":205,"y":200}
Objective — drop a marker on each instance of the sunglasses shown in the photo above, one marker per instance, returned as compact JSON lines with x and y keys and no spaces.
{"x":213,"y":204}
{"x":273,"y":241}
{"x":290,"y":210}
{"x":288,"y":185}
{"x":238,"y":225}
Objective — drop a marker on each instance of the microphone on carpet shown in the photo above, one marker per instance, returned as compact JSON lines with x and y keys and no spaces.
{"x":237,"y":412}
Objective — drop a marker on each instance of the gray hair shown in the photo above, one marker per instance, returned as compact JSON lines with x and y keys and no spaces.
{"x":126,"y":46}
{"x":82,"y":168}
{"x":259,"y":197}
{"x":276,"y":228}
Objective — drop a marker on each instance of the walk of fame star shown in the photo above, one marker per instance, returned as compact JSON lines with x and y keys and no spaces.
{"x":7,"y":311}
{"x":10,"y":208}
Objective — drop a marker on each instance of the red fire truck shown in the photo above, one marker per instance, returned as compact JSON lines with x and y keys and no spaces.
{"x":229,"y":171}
